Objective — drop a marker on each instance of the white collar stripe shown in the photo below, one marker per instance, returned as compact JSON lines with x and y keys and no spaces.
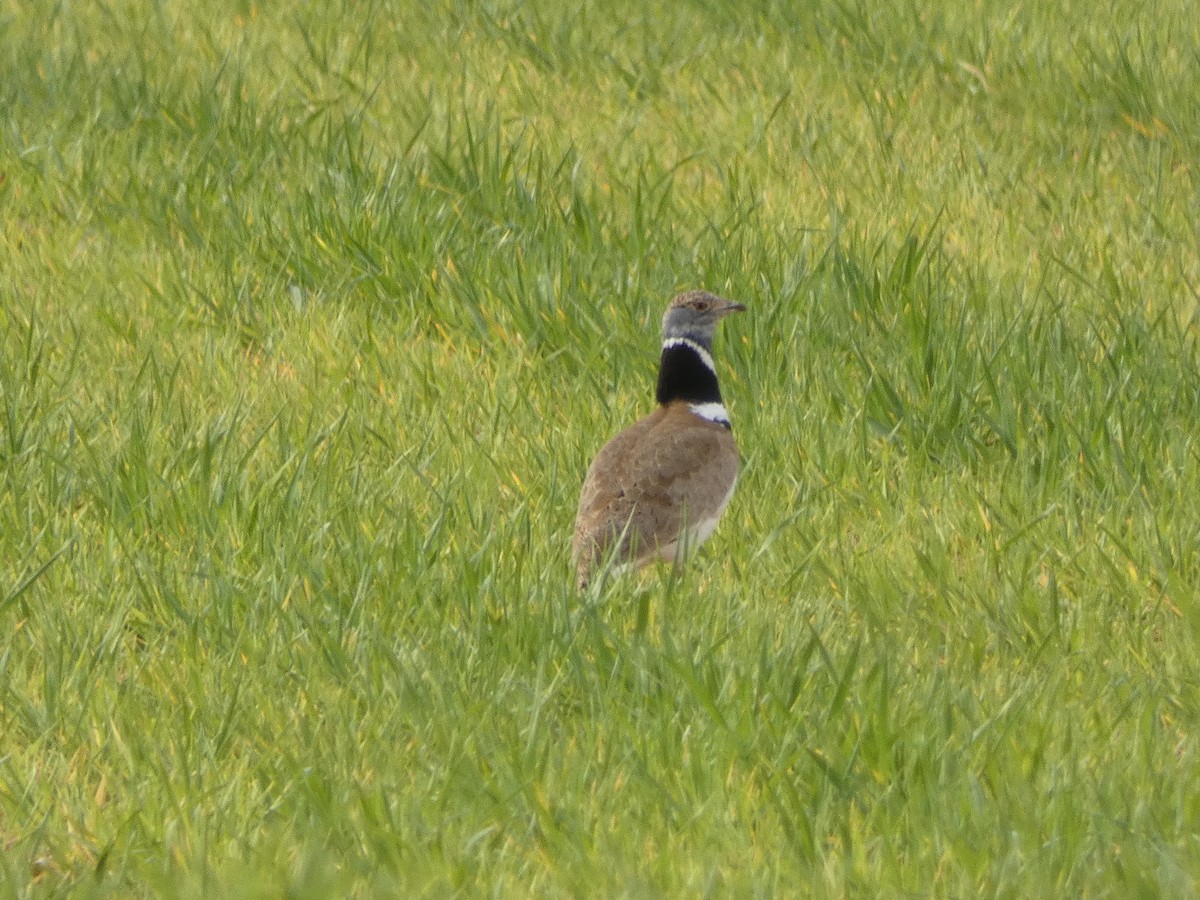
{"x":705,"y":356}
{"x":714,"y":412}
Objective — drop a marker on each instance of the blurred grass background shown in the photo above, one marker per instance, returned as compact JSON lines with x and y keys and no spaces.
{"x":312,"y":316}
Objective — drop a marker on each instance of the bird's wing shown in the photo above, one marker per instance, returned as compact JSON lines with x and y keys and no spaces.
{"x":655,"y":480}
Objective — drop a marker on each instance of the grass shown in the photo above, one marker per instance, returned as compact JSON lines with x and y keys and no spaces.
{"x":312,"y":318}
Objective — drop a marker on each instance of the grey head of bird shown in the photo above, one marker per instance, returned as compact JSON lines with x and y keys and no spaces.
{"x":694,"y":316}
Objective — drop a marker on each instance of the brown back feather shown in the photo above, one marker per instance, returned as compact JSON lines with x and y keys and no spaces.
{"x":666,"y":471}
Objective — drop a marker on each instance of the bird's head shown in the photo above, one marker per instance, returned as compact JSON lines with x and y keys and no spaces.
{"x":694,"y":315}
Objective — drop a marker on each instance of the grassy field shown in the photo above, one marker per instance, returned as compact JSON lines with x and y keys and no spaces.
{"x":312,"y":316}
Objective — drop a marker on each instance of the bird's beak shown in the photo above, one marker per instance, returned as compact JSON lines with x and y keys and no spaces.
{"x":730,"y":306}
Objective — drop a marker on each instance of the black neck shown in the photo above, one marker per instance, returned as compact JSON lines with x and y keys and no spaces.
{"x":682,"y":375}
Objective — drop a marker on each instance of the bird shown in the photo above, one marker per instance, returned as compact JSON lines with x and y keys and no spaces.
{"x":659,"y":487}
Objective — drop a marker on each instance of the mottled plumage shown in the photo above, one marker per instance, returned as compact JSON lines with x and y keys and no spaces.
{"x":658,"y":488}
